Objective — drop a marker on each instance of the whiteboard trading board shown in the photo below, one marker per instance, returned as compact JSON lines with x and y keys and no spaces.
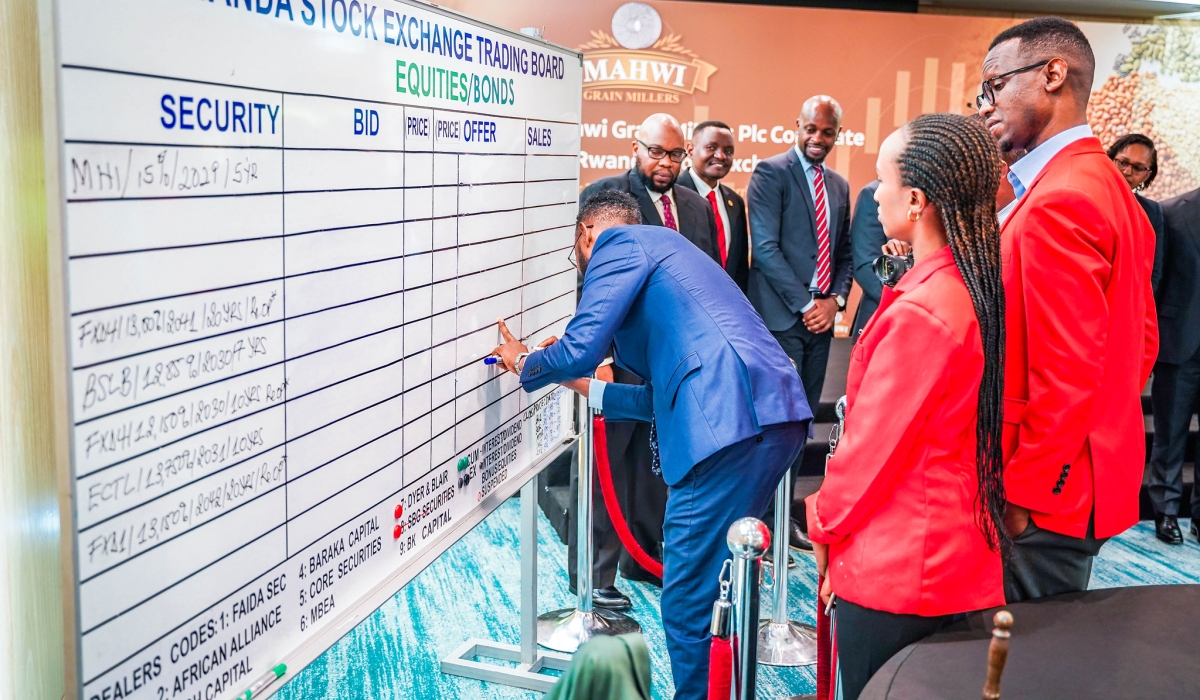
{"x":288,"y":230}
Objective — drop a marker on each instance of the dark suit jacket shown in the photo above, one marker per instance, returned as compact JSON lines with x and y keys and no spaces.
{"x":867,"y":238}
{"x":784,"y":229}
{"x":1178,"y":295}
{"x":1154,"y":212}
{"x":695,"y":217}
{"x":737,"y":264}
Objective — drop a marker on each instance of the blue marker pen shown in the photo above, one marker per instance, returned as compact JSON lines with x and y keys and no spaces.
{"x":491,"y":360}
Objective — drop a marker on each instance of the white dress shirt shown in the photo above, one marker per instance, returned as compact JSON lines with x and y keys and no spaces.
{"x":1022,"y":173}
{"x":810,"y":176}
{"x":703,"y":188}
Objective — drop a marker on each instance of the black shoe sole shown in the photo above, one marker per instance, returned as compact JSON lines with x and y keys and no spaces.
{"x":1171,"y":541}
{"x":616,"y":608}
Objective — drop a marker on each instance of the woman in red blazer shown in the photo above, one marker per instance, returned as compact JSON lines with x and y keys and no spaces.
{"x":906,"y":526}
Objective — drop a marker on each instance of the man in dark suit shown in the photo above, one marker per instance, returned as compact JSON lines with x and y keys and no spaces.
{"x":867,"y":240}
{"x":802,"y":263}
{"x":659,"y":152}
{"x":1176,"y":387}
{"x":711,"y":151}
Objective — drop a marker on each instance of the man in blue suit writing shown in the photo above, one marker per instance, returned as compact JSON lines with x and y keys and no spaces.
{"x":727,"y":405}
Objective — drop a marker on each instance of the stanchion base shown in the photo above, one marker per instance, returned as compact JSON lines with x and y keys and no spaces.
{"x":787,"y":644}
{"x":566,"y":630}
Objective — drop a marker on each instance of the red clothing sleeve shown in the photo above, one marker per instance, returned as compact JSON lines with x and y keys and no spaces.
{"x":1065,"y":266}
{"x":901,"y":387}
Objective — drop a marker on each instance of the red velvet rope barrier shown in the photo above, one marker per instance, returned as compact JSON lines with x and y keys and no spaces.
{"x":600,"y":438}
{"x":720,"y":669}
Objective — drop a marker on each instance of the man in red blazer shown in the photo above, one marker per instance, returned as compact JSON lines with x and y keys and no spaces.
{"x":1082,"y":335}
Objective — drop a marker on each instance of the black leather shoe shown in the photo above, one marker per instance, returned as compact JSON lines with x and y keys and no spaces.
{"x":1195,"y":530}
{"x":1166,"y":528}
{"x":610,"y":598}
{"x":798,"y":539}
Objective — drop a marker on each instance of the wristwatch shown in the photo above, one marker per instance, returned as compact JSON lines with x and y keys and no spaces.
{"x":519,"y":363}
{"x":841,"y":302}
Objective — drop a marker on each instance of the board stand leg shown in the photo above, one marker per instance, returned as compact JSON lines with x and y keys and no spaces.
{"x":530,"y":661}
{"x":567,"y":629}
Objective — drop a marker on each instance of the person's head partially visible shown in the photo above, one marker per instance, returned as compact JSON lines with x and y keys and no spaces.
{"x":598,"y":213}
{"x":1137,"y":159}
{"x":659,"y":151}
{"x":818,"y":127}
{"x":711,"y":150}
{"x":1037,"y":78}
{"x":938,"y":177}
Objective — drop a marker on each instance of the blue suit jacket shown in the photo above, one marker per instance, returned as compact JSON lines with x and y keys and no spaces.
{"x":714,"y":374}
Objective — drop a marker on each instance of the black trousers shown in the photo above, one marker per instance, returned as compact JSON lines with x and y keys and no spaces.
{"x":867,"y":638}
{"x":642,"y":495}
{"x":1175,"y":394}
{"x":810,"y":352}
{"x":1041,"y":563}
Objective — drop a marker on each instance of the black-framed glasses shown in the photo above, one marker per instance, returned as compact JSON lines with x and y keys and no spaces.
{"x":989,"y":87}
{"x":658,"y":152}
{"x":1137,"y":168}
{"x":580,"y":228}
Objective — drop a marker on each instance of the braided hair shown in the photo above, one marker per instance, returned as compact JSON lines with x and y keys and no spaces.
{"x":954,"y":161}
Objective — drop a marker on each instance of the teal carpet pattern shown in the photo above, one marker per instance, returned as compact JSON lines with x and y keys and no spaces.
{"x":471,"y":591}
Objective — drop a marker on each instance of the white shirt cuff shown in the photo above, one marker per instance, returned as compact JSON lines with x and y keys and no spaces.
{"x":811,"y":303}
{"x":596,"y":394}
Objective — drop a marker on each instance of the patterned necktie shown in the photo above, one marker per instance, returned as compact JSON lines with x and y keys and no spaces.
{"x":655,"y":463}
{"x":824,"y":278}
{"x":712,"y":199}
{"x":668,"y":217}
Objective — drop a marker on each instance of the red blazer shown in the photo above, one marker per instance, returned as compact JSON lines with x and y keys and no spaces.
{"x":897,"y":507}
{"x":1077,"y":253}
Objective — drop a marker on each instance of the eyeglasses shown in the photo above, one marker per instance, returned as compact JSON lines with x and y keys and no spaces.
{"x":1137,"y":168}
{"x":990,"y":89}
{"x":658,"y":152}
{"x":579,"y":232}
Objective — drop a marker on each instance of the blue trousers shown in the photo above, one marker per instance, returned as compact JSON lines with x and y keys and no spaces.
{"x":736,"y":482}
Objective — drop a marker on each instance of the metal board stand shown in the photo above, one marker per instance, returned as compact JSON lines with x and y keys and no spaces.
{"x":530,"y":660}
{"x":567,"y":629}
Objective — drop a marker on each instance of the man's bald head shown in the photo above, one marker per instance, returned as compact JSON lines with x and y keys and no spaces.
{"x":659,"y":128}
{"x":823,"y":103}
{"x":659,"y":135}
{"x":818,"y":127}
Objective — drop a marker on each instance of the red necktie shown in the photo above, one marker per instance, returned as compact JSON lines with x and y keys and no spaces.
{"x":823,"y":262}
{"x":712,"y":199}
{"x":668,"y":217}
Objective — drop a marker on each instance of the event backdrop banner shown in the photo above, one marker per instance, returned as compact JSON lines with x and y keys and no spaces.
{"x":753,"y":66}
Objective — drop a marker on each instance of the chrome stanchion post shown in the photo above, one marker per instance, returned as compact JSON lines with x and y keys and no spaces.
{"x":782,"y":642}
{"x":567,"y":629}
{"x":747,"y":539}
{"x":583,"y":509}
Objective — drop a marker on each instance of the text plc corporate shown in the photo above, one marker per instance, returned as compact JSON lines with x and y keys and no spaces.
{"x":364,"y":21}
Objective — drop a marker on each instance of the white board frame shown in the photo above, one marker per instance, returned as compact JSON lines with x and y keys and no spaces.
{"x":61,"y":369}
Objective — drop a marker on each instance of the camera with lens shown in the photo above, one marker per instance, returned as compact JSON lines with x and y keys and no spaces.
{"x":890,"y":268}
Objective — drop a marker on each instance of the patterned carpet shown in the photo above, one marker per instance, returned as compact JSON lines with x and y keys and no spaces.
{"x":472,"y":591}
